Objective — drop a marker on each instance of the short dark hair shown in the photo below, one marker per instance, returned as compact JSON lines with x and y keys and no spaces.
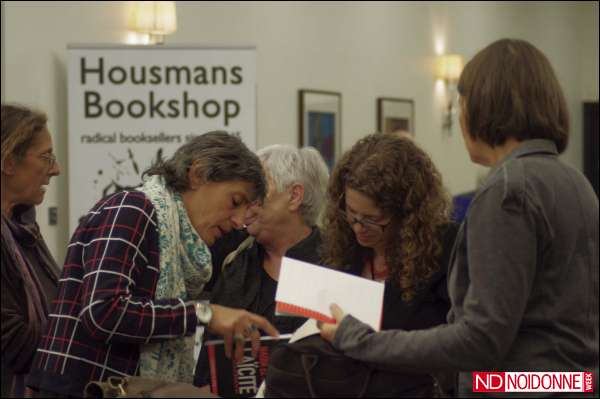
{"x":222,"y":156}
{"x":510,"y":90}
{"x":20,"y":126}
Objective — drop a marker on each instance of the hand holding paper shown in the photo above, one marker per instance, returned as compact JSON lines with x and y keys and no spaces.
{"x":328,"y":330}
{"x":309,"y":290}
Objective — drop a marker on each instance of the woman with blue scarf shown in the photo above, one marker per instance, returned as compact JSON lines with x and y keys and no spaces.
{"x":129,"y":295}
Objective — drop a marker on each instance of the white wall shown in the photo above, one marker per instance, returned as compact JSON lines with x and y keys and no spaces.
{"x":362,"y":50}
{"x":588,"y":51}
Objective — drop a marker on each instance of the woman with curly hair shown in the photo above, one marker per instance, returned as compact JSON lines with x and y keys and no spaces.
{"x":388,"y":219}
{"x":523,"y":279}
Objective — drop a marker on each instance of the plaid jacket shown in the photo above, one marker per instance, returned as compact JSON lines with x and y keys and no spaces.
{"x":105,"y":307}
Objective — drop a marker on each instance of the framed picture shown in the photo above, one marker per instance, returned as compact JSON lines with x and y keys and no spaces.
{"x":320,"y":117}
{"x":395,"y":114}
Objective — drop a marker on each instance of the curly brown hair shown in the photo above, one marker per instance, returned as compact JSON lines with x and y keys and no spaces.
{"x":404,"y":183}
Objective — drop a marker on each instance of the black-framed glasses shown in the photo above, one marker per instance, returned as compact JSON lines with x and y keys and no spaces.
{"x":50,"y":159}
{"x":366,"y":223}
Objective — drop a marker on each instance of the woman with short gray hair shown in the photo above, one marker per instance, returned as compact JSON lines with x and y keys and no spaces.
{"x":287,"y":165}
{"x":284,"y":225}
{"x":129,"y":296}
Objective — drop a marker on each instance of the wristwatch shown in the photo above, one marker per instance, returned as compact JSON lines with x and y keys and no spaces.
{"x":203,"y":312}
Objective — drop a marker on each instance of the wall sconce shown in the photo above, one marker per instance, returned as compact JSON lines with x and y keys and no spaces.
{"x":153,"y":18}
{"x":448,"y":68}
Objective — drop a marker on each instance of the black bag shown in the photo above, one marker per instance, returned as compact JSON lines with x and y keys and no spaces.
{"x":312,"y":367}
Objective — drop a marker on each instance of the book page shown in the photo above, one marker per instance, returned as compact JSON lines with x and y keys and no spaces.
{"x":307,"y":290}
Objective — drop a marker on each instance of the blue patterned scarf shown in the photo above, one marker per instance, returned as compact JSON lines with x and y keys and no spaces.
{"x":185,"y":267}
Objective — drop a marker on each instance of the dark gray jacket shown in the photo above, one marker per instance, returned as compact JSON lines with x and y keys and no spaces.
{"x":244,"y":284}
{"x":19,"y":337}
{"x":523,"y":280}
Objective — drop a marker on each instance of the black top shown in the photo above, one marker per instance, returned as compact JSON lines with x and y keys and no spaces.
{"x":523,"y":279}
{"x":428,"y":308}
{"x":245,"y":284}
{"x":430,"y":304}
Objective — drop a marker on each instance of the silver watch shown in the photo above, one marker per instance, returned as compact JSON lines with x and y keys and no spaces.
{"x":203,"y":312}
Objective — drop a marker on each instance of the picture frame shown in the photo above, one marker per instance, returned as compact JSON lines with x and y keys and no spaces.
{"x":320,"y":122}
{"x":395,"y":114}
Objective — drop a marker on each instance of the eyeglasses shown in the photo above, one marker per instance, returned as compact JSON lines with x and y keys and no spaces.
{"x":366,"y":223}
{"x":50,"y":159}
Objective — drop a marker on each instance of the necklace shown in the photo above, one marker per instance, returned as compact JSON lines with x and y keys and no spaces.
{"x":377,"y":275}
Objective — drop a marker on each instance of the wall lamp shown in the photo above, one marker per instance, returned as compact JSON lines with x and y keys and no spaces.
{"x":153,"y":18}
{"x":448,"y":68}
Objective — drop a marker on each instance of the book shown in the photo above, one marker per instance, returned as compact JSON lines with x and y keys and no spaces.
{"x":320,"y":287}
{"x":243,"y":379}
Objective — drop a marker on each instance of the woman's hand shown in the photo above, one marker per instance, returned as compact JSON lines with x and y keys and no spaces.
{"x":237,"y":325}
{"x":328,"y":330}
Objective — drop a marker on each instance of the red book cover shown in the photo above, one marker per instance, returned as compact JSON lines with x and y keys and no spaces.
{"x":243,"y":379}
{"x":293,"y":310}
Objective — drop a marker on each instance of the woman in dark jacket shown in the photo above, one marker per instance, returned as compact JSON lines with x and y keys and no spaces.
{"x":284,"y":225}
{"x":387,"y":219}
{"x":29,"y":273}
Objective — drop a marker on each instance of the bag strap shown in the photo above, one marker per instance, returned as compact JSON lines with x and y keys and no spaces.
{"x":310,"y":361}
{"x":363,"y":391}
{"x":118,"y":384}
{"x":113,"y":387}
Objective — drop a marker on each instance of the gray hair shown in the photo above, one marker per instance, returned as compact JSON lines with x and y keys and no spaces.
{"x":20,"y":126}
{"x":287,"y":165}
{"x":222,"y":156}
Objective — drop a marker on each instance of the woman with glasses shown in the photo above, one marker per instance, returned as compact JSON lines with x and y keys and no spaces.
{"x":388,"y":220}
{"x":29,"y":273}
{"x":523,"y":278}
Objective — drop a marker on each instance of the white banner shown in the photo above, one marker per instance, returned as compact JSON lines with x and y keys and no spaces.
{"x":129,"y":105}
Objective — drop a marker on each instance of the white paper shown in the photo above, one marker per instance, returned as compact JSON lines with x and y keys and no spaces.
{"x":305,"y":330}
{"x":315,"y":288}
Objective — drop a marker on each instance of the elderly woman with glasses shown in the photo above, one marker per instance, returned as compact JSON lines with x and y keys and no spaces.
{"x":29,"y":273}
{"x":387,"y":219}
{"x":285,"y":224}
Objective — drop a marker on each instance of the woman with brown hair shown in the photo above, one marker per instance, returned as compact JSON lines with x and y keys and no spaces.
{"x":523,"y":279}
{"x":387,"y":219}
{"x":29,"y":273}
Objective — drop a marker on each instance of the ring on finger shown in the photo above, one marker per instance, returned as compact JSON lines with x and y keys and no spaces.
{"x":249,"y":329}
{"x":238,"y":338}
